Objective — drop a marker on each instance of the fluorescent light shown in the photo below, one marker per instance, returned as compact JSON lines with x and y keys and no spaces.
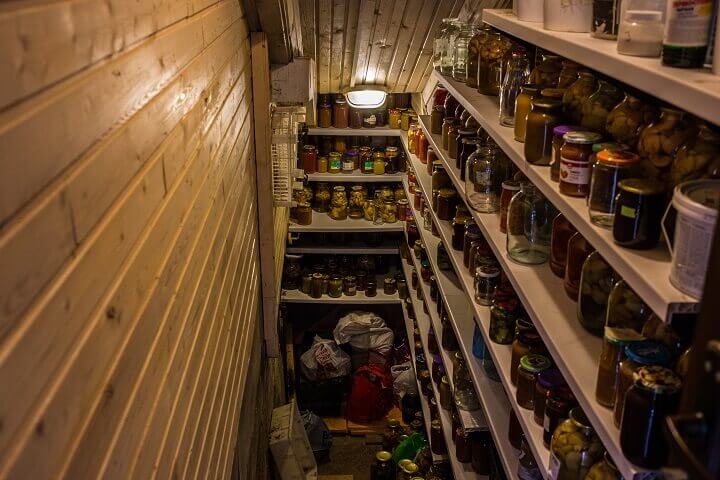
{"x":366,"y":97}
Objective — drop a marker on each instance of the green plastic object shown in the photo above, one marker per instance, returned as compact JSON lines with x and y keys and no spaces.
{"x":408,"y":448}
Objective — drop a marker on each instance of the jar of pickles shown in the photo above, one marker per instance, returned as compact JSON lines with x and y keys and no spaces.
{"x":503,"y":314}
{"x":576,"y":94}
{"x":604,"y":469}
{"x":358,"y":197}
{"x":544,"y":115}
{"x":523,"y":104}
{"x":546,"y":73}
{"x":335,"y":286}
{"x":338,"y":204}
{"x":528,"y":370}
{"x":394,"y":115}
{"x":335,"y":162}
{"x":490,"y":63}
{"x":626,"y":309}
{"x":474,"y":48}
{"x":597,"y":279}
{"x":623,"y":123}
{"x":526,"y":341}
{"x":321,"y":199}
{"x":574,"y":448}
{"x":389,"y":212}
{"x":597,"y":107}
{"x":613,"y":352}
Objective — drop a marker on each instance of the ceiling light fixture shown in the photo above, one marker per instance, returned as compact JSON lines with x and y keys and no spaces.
{"x":366,"y":96}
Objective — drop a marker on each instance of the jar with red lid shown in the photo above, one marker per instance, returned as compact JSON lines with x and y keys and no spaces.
{"x":578,"y":250}
{"x":325,"y":115}
{"x":562,"y":230}
{"x":557,"y":143}
{"x":422,"y":146}
{"x":341,"y":113}
{"x":309,"y":159}
{"x":547,"y":381}
{"x":575,"y":163}
{"x":509,"y":188}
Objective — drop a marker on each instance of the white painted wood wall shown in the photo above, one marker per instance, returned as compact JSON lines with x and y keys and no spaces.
{"x":129,"y":277}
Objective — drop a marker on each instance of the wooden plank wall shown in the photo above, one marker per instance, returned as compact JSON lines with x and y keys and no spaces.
{"x":129,"y":278}
{"x":383,"y":42}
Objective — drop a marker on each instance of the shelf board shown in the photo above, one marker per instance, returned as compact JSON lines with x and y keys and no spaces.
{"x":356,"y":176}
{"x":356,"y":132}
{"x":694,"y":90}
{"x":646,"y":271}
{"x":385,"y":249}
{"x":296,"y":296}
{"x":321,"y":222}
{"x":574,"y":350}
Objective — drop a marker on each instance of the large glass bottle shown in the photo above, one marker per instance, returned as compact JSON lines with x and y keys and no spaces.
{"x":490,"y":64}
{"x":576,"y":94}
{"x":486,"y":169}
{"x":516,"y":74}
{"x":439,"y":42}
{"x":460,"y":54}
{"x":529,"y":225}
{"x":597,"y":107}
{"x":447,"y":59}
{"x":474,"y":47}
{"x":661,"y":139}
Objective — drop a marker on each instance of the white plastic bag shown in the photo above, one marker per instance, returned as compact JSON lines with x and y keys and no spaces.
{"x":364,"y":331}
{"x":404,"y":382}
{"x":324,"y":360}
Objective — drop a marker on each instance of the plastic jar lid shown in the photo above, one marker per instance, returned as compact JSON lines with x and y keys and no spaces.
{"x":551,"y":378}
{"x":582,"y":138}
{"x":658,"y":379}
{"x":648,"y":353}
{"x":641,"y":186}
{"x":618,"y":158}
{"x":561,"y":130}
{"x":535,"y":363}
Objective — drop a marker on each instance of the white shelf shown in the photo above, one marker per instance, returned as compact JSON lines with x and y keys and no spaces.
{"x":694,"y":90}
{"x":296,"y":296}
{"x":647,"y":271}
{"x":343,"y":250}
{"x":356,"y":132}
{"x":574,"y":350}
{"x":321,"y":222}
{"x":356,"y":176}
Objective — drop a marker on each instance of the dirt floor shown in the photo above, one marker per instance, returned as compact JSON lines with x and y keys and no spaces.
{"x":350,"y":458}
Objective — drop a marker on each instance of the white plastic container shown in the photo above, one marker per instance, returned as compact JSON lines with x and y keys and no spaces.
{"x":696,"y":203}
{"x":641,"y":33}
{"x":567,"y":15}
{"x":530,"y":10}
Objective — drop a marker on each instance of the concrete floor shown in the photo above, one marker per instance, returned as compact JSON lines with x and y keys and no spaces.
{"x":350,"y":458}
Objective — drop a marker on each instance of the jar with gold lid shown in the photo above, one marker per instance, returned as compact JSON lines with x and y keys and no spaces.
{"x":575,"y":162}
{"x":544,"y":115}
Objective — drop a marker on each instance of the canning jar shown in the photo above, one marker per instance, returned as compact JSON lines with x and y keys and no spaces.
{"x":578,"y":249}
{"x":445,"y":393}
{"x":639,"y":207}
{"x":487,"y":277}
{"x":654,"y":395}
{"x":613,"y":352}
{"x":350,"y":285}
{"x":611,"y":168}
{"x":394,"y":115}
{"x":596,"y":107}
{"x":530,"y":366}
{"x":474,"y":48}
{"x":378,"y":163}
{"x":465,"y":396}
{"x":604,"y":469}
{"x":325,"y":115}
{"x":574,"y":448}
{"x":446,"y":203}
{"x":447,"y":123}
{"x":562,"y":230}
{"x":544,"y":115}
{"x":358,"y":196}
{"x":529,"y":225}
{"x":575,"y":163}
{"x":303,"y":213}
{"x":460,"y":54}
{"x":557,"y":143}
{"x":389,"y":286}
{"x":547,"y":381}
{"x":546,"y":73}
{"x":523,"y":104}
{"x":596,"y":281}
{"x":526,"y":341}
{"x":697,"y":157}
{"x":338,"y":204}
{"x":391,"y":159}
{"x":469,"y":145}
{"x":341,"y":113}
{"x":472,"y":234}
{"x":516,"y":74}
{"x":339,"y":144}
{"x":503,"y":314}
{"x":334,"y":162}
{"x":626,"y":309}
{"x":447,"y":55}
{"x":292,"y":272}
{"x":436,"y":119}
{"x":509,"y":189}
{"x":458,"y":231}
{"x":335,"y":287}
{"x":389,"y":211}
{"x":371,"y":288}
{"x":455,"y":142}
{"x":568,"y":74}
{"x":309,"y":159}
{"x":306,"y":285}
{"x":490,"y":64}
{"x":422,"y":146}
{"x":576,"y":94}
{"x":356,"y":118}
{"x":482,"y":447}
{"x":624,"y":121}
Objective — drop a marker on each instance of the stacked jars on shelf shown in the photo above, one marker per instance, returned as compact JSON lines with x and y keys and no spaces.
{"x":334,"y":111}
{"x":333,"y":155}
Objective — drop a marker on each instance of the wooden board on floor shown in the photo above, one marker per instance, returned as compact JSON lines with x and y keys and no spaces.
{"x":340,"y":425}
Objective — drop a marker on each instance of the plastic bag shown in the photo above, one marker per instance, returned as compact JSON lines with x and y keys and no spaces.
{"x":317,"y":431}
{"x":403,"y":379}
{"x":364,"y":331}
{"x":370,"y":394}
{"x":324,"y":360}
{"x":409,"y":447}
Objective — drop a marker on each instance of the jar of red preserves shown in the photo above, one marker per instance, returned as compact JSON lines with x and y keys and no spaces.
{"x":575,"y":162}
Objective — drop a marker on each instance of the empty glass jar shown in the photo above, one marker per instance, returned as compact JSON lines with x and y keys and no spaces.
{"x":529,"y":226}
{"x":516,"y":75}
{"x":460,"y":54}
{"x":485,"y":171}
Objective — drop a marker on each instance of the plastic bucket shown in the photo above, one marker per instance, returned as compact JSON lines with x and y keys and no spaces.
{"x":696,"y":203}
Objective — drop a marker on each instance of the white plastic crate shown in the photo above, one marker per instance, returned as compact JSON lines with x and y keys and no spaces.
{"x":289,"y":445}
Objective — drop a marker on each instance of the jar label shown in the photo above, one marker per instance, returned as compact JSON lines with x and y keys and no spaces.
{"x":369,"y":165}
{"x":688,"y":23}
{"x":628,"y":212}
{"x":335,"y":164}
{"x":348,"y":166}
{"x":573,"y":172}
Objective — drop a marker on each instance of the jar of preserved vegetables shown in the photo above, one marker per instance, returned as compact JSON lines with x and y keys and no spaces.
{"x":321,"y":199}
{"x":544,"y":115}
{"x":546,"y":74}
{"x":624,"y":121}
{"x":568,"y":74}
{"x":350,"y":285}
{"x":490,"y":63}
{"x":446,"y":58}
{"x":597,"y":107}
{"x":529,"y":225}
{"x":358,"y":197}
{"x":562,"y":230}
{"x":503,"y":314}
{"x":596,"y":281}
{"x":389,"y":212}
{"x":604,"y":469}
{"x":335,"y":287}
{"x":527,"y":341}
{"x":338,"y":204}
{"x":576,"y":94}
{"x":474,"y":48}
{"x":334,"y":162}
{"x":574,"y":448}
{"x":523,"y":104}
{"x":626,"y":309}
{"x":578,"y":249}
{"x":527,"y":372}
{"x":697,"y":157}
{"x":575,"y":163}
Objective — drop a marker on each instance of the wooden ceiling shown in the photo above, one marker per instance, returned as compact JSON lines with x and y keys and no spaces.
{"x":382,"y":42}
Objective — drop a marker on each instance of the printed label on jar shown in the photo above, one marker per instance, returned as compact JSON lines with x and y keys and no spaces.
{"x":348,"y":166}
{"x":628,"y":212}
{"x":576,"y":173}
{"x":335,"y":164}
{"x":369,"y":165}
{"x":688,"y":23}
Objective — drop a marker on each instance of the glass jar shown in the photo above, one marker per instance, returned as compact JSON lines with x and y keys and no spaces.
{"x":445,"y":393}
{"x":455,"y":145}
{"x":490,"y":63}
{"x":547,"y":381}
{"x":574,"y":448}
{"x":624,"y":121}
{"x":576,"y":95}
{"x":605,"y":469}
{"x":378,"y":163}
{"x":516,"y":75}
{"x":474,"y":48}
{"x":654,"y":395}
{"x":696,"y":156}
{"x":636,"y":354}
{"x":316,"y":286}
{"x":568,"y":74}
{"x":575,"y":163}
{"x":370,"y":288}
{"x":465,"y":396}
{"x":528,"y":468}
{"x":487,"y":277}
{"x":557,"y":143}
{"x":596,"y":281}
{"x":523,"y":104}
{"x":402,"y":209}
{"x":639,"y":208}
{"x":546,"y":74}
{"x":558,"y":404}
{"x":526,"y":341}
{"x":509,"y":189}
{"x":389,"y":286}
{"x":641,"y":33}
{"x":335,"y":287}
{"x":303,"y":213}
{"x":463,"y":445}
{"x":448,"y":339}
{"x":472,"y":234}
{"x":306,"y":285}
{"x":334,"y":162}
{"x":437,"y":119}
{"x":482,"y":446}
{"x":486,"y":170}
{"x":530,"y":366}
{"x":350,"y":161}
{"x":358,"y":197}
{"x":383,"y":468}
{"x":339,"y":144}
{"x":562,"y":230}
{"x":292,"y":272}
{"x":544,"y":115}
{"x":529,"y":225}
{"x":394,"y":115}
{"x":460,"y":55}
{"x":446,"y":59}
{"x":610,"y":169}
{"x":350,"y":285}
{"x":356,"y":118}
{"x":447,"y":123}
{"x":389,"y":211}
{"x":439,"y":42}
{"x":503,"y":314}
{"x":341,"y":113}
{"x":613,"y":352}
{"x":325,"y":115}
{"x":458,"y":234}
{"x":338,"y":204}
{"x":422,"y":146}
{"x":446,"y":203}
{"x":309,"y":159}
{"x":578,"y":249}
{"x":597,"y":107}
{"x":515,"y":431}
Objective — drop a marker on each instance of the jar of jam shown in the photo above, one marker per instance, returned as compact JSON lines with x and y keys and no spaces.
{"x":575,"y":163}
{"x":422,"y":147}
{"x":527,"y":341}
{"x":391,"y":159}
{"x":341,"y":113}
{"x":458,"y":232}
{"x":446,"y":202}
{"x":547,"y":381}
{"x":503,"y":314}
{"x":325,"y":115}
{"x":562,"y":230}
{"x":402,"y":209}
{"x":558,"y":404}
{"x":523,"y":104}
{"x":654,"y":395}
{"x":528,"y":370}
{"x":544,"y":115}
{"x":578,"y":249}
{"x":350,"y":159}
{"x":611,"y":168}
{"x":436,"y":119}
{"x":309,"y":159}
{"x":509,"y":188}
{"x":487,"y":277}
{"x":639,"y":207}
{"x":557,"y":143}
